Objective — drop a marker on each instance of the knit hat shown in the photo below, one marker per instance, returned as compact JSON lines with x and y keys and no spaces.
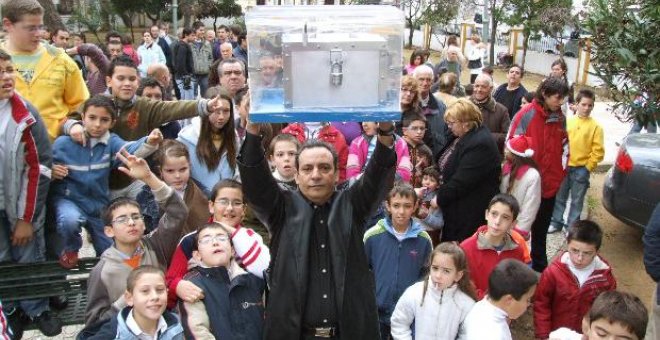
{"x":520,"y":146}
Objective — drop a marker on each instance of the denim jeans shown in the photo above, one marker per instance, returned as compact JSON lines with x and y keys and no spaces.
{"x":186,"y":94}
{"x":203,"y":81}
{"x":575,"y":185}
{"x":32,"y":252}
{"x":70,"y":220}
{"x":651,"y":127}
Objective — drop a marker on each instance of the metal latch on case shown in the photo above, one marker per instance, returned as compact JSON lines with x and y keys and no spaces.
{"x":336,"y":66}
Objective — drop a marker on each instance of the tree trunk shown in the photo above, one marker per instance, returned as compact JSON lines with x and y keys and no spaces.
{"x":51,"y":16}
{"x":524,"y":56}
{"x":493,"y":41}
{"x":106,"y":12}
{"x":412,"y":32}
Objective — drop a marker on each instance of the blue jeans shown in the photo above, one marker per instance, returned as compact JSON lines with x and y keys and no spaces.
{"x":651,"y":126}
{"x":32,"y":252}
{"x":70,"y":219}
{"x":574,"y":184}
{"x":188,"y":94}
{"x":203,"y":81}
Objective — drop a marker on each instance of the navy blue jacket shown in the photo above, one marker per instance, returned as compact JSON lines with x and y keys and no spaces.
{"x":396,"y":265}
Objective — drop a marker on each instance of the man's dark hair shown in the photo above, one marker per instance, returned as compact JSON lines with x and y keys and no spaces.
{"x":585,"y":231}
{"x":315,"y":143}
{"x":4,"y":55}
{"x":187,"y":31}
{"x":529,"y":96}
{"x":413,"y":118}
{"x":240,"y":94}
{"x":511,"y":277}
{"x":101,"y":101}
{"x":54,"y":31}
{"x":112,"y":34}
{"x":122,"y":60}
{"x":550,"y":87}
{"x":224,"y":27}
{"x":585,"y":93}
{"x":148,"y":82}
{"x":197,"y":24}
{"x":241,"y":37}
{"x":623,"y":308}
{"x":107,"y":215}
{"x":488,"y":70}
{"x":469,"y":89}
{"x":522,"y":71}
{"x":507,"y":200}
{"x":236,"y":30}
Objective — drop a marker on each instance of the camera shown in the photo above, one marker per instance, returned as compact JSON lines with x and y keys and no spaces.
{"x":187,"y":82}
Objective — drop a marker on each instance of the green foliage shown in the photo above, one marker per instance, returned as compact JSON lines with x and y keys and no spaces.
{"x":432,"y":12}
{"x":626,"y":55}
{"x":89,"y":19}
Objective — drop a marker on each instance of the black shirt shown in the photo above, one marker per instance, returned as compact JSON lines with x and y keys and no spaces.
{"x":320,"y":305}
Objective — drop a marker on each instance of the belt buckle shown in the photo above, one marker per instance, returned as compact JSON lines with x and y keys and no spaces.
{"x":323,"y":332}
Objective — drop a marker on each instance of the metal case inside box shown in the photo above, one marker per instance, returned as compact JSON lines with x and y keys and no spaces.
{"x":336,"y":63}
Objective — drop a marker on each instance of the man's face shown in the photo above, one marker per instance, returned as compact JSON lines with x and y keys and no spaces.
{"x":7,"y":79}
{"x":222,"y":34}
{"x":317,"y":176}
{"x":77,"y":41}
{"x":268,"y":70}
{"x":124,"y":82}
{"x":115,"y":50}
{"x":210,"y":36}
{"x":190,"y":38}
{"x":25,"y":34}
{"x":155,"y":31}
{"x":513,"y":76}
{"x":425,"y":80}
{"x":153,"y":93}
{"x":226,"y":51}
{"x":232,"y":77}
{"x":200,"y":32}
{"x":482,"y":89}
{"x":61,"y":39}
{"x":148,"y":39}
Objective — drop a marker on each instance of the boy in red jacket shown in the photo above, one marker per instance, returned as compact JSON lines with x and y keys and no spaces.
{"x":487,"y":247}
{"x":569,"y":286}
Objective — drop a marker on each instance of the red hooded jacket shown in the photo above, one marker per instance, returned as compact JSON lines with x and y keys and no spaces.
{"x":328,"y":134}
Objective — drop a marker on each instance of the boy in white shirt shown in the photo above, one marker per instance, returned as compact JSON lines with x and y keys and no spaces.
{"x":511,"y":286}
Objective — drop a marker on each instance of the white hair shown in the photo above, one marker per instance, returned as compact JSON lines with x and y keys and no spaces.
{"x":422,"y":69}
{"x":486,"y":78}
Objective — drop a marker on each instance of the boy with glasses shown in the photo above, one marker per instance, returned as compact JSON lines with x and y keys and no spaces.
{"x":569,"y":286}
{"x":131,"y":248}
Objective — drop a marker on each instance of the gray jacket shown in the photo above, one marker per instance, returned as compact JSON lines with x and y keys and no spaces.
{"x":27,"y":163}
{"x":202,"y":57}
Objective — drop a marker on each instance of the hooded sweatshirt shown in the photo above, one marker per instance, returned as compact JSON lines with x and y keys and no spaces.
{"x":396,"y":264}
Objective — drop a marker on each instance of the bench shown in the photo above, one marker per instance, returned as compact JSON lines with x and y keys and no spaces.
{"x":48,"y":279}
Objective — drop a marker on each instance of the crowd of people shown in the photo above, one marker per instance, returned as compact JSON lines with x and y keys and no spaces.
{"x":210,"y":226}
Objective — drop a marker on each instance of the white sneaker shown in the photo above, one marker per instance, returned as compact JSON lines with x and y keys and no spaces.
{"x":553,"y":229}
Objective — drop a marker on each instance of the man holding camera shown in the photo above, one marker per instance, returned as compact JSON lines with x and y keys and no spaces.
{"x":183,"y":65}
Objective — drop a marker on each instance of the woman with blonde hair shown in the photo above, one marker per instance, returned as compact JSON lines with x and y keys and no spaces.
{"x":469,"y":171}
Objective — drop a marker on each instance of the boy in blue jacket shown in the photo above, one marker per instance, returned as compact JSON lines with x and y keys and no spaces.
{"x":398,"y":250}
{"x":81,"y":173}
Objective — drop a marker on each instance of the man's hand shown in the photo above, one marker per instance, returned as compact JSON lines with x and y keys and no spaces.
{"x":23,"y":233}
{"x":189,"y":292}
{"x":155,"y":137}
{"x":72,"y":51}
{"x":135,"y":167}
{"x":386,"y":140}
{"x":59,"y":171}
{"x":77,"y":133}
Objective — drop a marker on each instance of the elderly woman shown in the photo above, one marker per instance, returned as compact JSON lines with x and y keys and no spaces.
{"x":469,"y":171}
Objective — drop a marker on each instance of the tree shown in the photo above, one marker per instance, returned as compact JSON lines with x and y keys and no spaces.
{"x":90,"y":19}
{"x":431,"y":12}
{"x":532,"y":15}
{"x":51,"y":16}
{"x":625,"y":54}
{"x":217,"y":9}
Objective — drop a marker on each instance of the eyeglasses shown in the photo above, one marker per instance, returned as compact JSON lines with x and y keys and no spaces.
{"x":213,"y":238}
{"x":223,"y":202}
{"x":417,"y":129}
{"x":450,"y":123}
{"x":234,"y":72}
{"x":124,"y":219}
{"x":10,"y":71}
{"x":576,"y":252}
{"x":407,"y":90}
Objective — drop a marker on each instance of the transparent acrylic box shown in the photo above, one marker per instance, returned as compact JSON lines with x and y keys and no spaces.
{"x":324,"y":63}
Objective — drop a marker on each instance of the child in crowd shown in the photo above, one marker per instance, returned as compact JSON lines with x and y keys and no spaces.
{"x":145,"y":316}
{"x":614,"y":315}
{"x":527,"y":98}
{"x":413,"y":128}
{"x":568,"y":286}
{"x":80,"y":190}
{"x":212,"y":144}
{"x":363,"y":147}
{"x":131,"y":248}
{"x":438,"y":305}
{"x":522,"y":180}
{"x":429,"y":214}
{"x":511,"y":286}
{"x":397,"y":249}
{"x":226,"y":206}
{"x":585,"y":140}
{"x":233,"y":305}
{"x":486,"y":248}
{"x":282,"y":153}
{"x":172,"y":163}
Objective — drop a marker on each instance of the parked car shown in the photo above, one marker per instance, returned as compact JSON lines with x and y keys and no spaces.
{"x":632,"y":186}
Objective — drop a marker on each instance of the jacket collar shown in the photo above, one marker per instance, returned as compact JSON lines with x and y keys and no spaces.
{"x":482,"y":242}
{"x":413,"y":230}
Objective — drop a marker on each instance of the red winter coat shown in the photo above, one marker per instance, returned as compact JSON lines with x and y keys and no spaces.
{"x":328,"y":134}
{"x":549,"y":142}
{"x":560,"y":302}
